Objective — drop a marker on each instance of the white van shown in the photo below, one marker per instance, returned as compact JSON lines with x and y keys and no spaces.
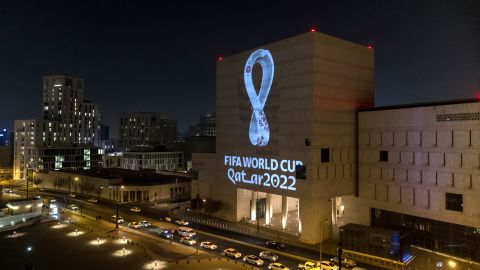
{"x":185,"y":231}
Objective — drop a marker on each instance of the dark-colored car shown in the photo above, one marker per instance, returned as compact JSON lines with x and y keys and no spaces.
{"x":167,"y":234}
{"x":275,"y":244}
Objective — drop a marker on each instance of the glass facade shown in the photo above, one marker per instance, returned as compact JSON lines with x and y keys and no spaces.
{"x":453,"y":239}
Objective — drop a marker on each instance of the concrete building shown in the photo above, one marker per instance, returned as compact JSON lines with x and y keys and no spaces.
{"x":301,"y":148}
{"x":419,"y":171}
{"x":158,"y":161}
{"x":118,"y":184}
{"x":146,"y":129}
{"x":68,"y":121}
{"x":308,"y":89}
{"x":206,"y":126}
{"x":24,"y":147}
{"x":68,"y":117}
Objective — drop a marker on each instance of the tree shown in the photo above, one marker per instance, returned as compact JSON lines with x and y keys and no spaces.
{"x":37,"y":182}
{"x":212,"y":206}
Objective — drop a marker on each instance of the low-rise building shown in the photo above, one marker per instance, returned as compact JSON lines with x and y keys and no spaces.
{"x":158,"y":161}
{"x":120,"y":185}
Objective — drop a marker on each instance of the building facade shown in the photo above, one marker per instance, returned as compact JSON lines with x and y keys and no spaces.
{"x":419,"y":172}
{"x":146,"y":129}
{"x":24,"y":147}
{"x":206,"y":126}
{"x":286,"y":132}
{"x":68,"y":121}
{"x":158,"y":161}
{"x":4,"y":137}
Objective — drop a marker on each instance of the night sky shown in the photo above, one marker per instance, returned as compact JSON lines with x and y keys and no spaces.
{"x":151,"y":56}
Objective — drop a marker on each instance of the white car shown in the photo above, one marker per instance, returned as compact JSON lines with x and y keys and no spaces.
{"x":277,"y":266}
{"x":267,"y":255}
{"x":231,"y":252}
{"x":345,"y":262}
{"x":182,"y":222}
{"x":307,"y":265}
{"x":135,"y":209}
{"x":208,"y":245}
{"x":72,"y":195}
{"x":92,"y":200}
{"x":145,"y":223}
{"x":326,"y":265}
{"x":73,"y":207}
{"x":188,"y":241}
{"x":252,"y":259}
{"x":37,"y":197}
{"x":120,"y":219}
{"x":134,"y":225}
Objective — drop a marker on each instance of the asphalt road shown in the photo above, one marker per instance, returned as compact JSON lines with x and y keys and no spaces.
{"x":154,"y":215}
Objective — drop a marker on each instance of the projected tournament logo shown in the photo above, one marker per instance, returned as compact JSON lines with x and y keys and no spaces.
{"x":259,"y":132}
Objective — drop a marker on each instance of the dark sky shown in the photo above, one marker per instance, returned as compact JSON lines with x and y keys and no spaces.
{"x":152,"y":56}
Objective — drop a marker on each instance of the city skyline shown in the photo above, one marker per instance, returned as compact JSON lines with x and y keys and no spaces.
{"x":133,"y":58}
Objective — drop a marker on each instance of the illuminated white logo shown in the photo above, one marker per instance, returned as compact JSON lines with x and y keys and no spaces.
{"x":259,"y":133}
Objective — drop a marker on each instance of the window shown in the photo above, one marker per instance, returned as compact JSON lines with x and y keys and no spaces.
{"x":301,"y":172}
{"x":383,"y":155}
{"x":307,"y":142}
{"x":325,"y":155}
{"x":454,"y":202}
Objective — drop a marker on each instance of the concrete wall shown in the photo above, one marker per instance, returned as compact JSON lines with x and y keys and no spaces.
{"x":427,"y":157}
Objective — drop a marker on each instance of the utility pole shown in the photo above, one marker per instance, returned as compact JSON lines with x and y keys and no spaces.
{"x":116,"y":216}
{"x":340,"y":255}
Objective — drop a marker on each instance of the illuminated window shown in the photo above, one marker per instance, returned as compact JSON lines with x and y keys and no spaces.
{"x":325,"y":155}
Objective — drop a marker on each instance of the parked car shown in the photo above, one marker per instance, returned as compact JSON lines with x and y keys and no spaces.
{"x":185,"y":231}
{"x":307,"y":265}
{"x":252,"y":259}
{"x":167,"y":234}
{"x":345,"y":262}
{"x":326,"y":265}
{"x":134,"y":225}
{"x":267,"y":255}
{"x":231,"y":252}
{"x":73,"y":207}
{"x":135,"y":209}
{"x":37,"y":197}
{"x":187,"y":240}
{"x":92,"y":200}
{"x":120,"y":219}
{"x":145,"y":223}
{"x":72,"y":195}
{"x":277,"y":266}
{"x":208,"y":245}
{"x":275,"y":244}
{"x":182,"y":222}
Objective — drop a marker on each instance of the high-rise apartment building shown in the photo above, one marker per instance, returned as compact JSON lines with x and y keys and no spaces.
{"x":68,"y":117}
{"x":206,"y":126}
{"x":146,"y":129}
{"x":68,"y":122}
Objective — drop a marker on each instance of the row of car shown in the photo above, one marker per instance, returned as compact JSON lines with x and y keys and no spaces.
{"x":329,"y":265}
{"x":257,"y":260}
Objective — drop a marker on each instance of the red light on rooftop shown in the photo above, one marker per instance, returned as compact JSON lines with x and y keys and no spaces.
{"x":370,"y":46}
{"x":219,"y":59}
{"x":477,"y":96}
{"x":313,"y":29}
